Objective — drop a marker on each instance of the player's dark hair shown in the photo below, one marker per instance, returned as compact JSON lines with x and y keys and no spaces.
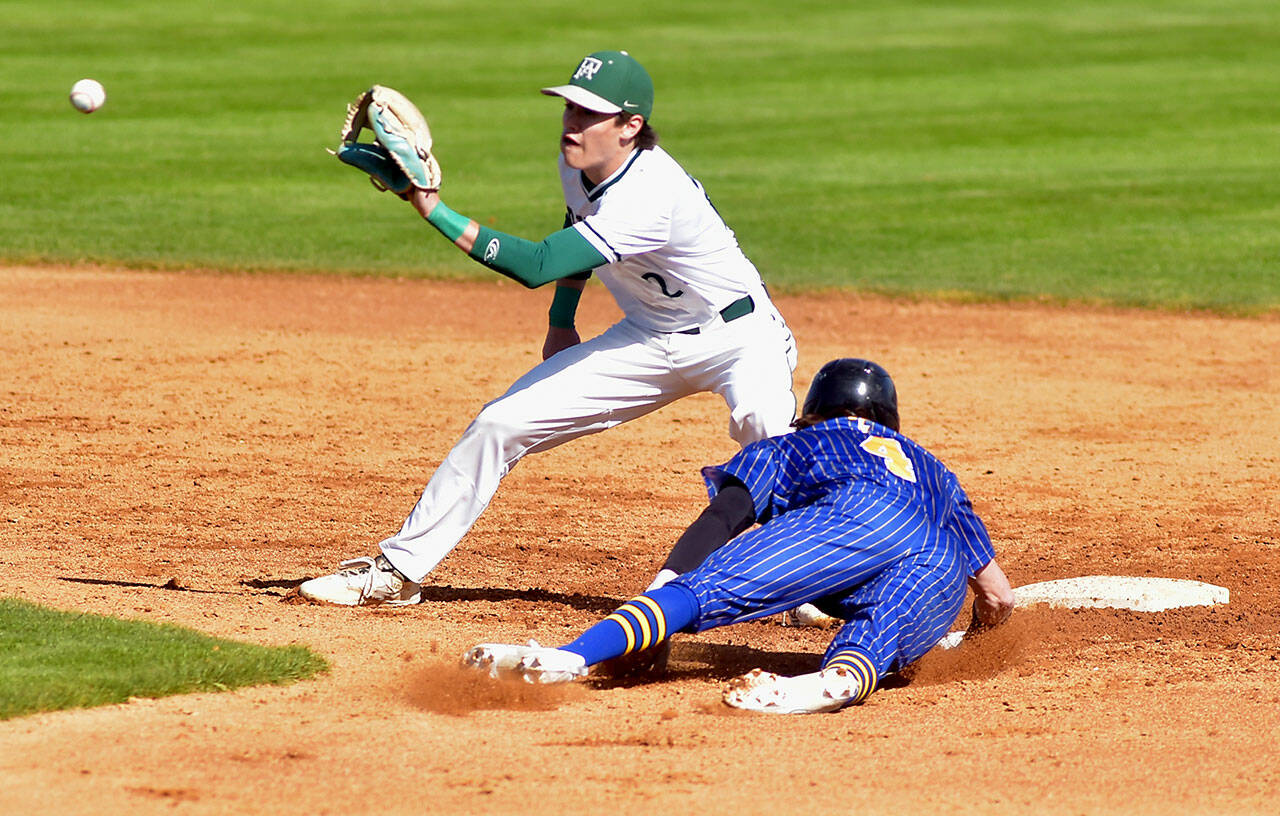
{"x":809,"y":420}
{"x":647,"y":138}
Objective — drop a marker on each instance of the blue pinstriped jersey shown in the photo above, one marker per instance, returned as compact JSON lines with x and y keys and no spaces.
{"x":855,"y":468}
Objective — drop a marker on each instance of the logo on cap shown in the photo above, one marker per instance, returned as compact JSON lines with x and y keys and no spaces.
{"x":587,"y":70}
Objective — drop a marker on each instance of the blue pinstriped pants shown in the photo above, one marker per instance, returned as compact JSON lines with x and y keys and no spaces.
{"x":898,"y":587}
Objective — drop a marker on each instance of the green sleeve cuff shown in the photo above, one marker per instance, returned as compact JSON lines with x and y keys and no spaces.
{"x":563,"y":307}
{"x":450,"y":223}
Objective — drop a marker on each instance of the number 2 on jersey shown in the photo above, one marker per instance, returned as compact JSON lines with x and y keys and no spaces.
{"x":890,"y":450}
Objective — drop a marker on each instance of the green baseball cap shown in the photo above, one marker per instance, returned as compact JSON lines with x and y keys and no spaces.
{"x":609,"y":82}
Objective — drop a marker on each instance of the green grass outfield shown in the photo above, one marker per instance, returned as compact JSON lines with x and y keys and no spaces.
{"x":52,"y":660}
{"x":1115,"y":150}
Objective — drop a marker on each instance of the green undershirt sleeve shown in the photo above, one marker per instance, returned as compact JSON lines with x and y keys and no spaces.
{"x":564,"y":307}
{"x":533,"y":263}
{"x":450,"y":224}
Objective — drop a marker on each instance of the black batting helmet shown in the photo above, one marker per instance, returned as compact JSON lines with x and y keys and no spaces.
{"x":853,"y":387}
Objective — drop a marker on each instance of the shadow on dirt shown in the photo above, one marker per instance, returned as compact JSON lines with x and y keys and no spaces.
{"x":598,"y":604}
{"x":692,"y":660}
{"x":173,"y":584}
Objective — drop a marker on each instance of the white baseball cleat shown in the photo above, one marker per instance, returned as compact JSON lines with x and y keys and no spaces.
{"x":759,"y":690}
{"x":809,"y":615}
{"x":548,"y":666}
{"x":498,"y":659}
{"x":363,"y":582}
{"x":532,"y":663}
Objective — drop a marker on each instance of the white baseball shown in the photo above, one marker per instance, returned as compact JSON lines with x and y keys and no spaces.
{"x":87,"y":95}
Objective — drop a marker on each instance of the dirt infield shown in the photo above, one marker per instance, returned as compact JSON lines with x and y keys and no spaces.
{"x":189,"y":448}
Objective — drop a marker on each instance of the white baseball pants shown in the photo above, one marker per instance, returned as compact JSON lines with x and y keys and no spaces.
{"x":618,"y":376}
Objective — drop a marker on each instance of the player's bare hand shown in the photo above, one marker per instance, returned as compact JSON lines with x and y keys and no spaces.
{"x":993,"y":596}
{"x":558,"y":340}
{"x":424,"y":201}
{"x":988,"y":612}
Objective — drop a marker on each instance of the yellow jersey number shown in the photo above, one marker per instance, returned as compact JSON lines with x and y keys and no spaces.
{"x":890,"y":450}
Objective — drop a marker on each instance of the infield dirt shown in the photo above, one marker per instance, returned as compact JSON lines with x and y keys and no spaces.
{"x":190,"y":447}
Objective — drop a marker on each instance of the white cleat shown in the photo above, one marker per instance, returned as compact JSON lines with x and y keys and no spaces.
{"x":363,"y":582}
{"x":498,"y":659}
{"x":532,"y":663}
{"x":550,"y":666}
{"x":810,"y":616}
{"x":759,"y":690}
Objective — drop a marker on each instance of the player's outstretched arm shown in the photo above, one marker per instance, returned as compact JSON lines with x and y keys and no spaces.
{"x":457,"y":228}
{"x":531,"y":263}
{"x":730,"y":512}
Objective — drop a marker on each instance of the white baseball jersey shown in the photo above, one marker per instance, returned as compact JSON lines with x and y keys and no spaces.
{"x":674,"y":262}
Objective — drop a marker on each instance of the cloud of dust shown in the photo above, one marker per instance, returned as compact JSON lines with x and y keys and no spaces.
{"x":983,"y":655}
{"x":449,"y":688}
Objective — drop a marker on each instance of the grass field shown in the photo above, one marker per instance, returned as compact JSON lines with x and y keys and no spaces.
{"x":1114,"y":150}
{"x":52,"y":660}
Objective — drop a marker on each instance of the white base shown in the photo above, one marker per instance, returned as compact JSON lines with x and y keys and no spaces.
{"x":1141,"y":594}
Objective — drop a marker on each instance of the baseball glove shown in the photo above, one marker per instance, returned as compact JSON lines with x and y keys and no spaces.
{"x":374,"y":159}
{"x":404,"y":159}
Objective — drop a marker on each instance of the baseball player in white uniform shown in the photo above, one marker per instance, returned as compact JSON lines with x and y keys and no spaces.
{"x":696,"y":318}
